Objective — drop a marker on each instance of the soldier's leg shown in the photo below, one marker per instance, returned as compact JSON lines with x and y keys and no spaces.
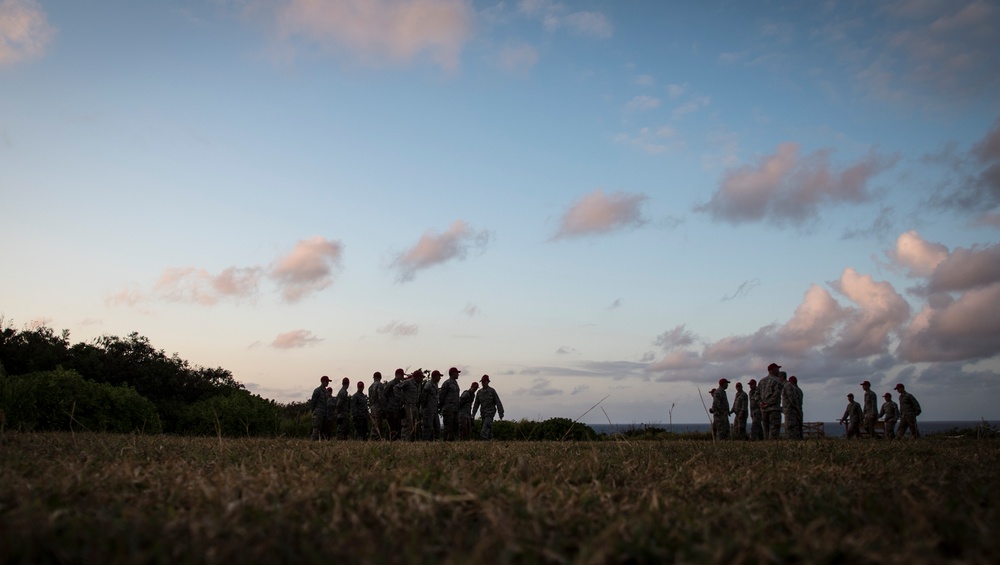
{"x":487,"y":430}
{"x":890,"y":429}
{"x":317,"y":427}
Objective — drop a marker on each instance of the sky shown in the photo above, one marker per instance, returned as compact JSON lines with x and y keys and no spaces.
{"x":606,"y":206}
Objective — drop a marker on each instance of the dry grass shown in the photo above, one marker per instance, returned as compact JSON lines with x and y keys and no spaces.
{"x":160,"y":499}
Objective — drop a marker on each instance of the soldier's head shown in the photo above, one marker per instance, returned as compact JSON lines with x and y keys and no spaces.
{"x":485,"y":380}
{"x":723,"y":384}
{"x":435,"y":376}
{"x":739,"y":386}
{"x":474,"y":387}
{"x":346,"y":381}
{"x":329,"y":391}
{"x":850,"y":396}
{"x":400,"y":373}
{"x":772,"y":369}
{"x":887,"y":396}
{"x":866,"y":385}
{"x":453,"y":373}
{"x":712,"y":392}
{"x":324,"y":379}
{"x":752,"y":383}
{"x":418,"y":375}
{"x":792,"y":379}
{"x":900,"y":388}
{"x":361,"y":386}
{"x":783,"y":375}
{"x":377,"y":376}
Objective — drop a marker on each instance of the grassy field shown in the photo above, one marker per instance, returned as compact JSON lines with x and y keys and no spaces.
{"x":161,"y":499}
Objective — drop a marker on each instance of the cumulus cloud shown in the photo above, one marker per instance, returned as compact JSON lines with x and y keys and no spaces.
{"x":919,"y":257}
{"x":187,"y":284}
{"x":787,"y":187}
{"x":555,"y":15}
{"x":955,"y":329}
{"x":376,"y":31}
{"x":25,"y":32}
{"x":295,"y":339}
{"x":599,"y":213}
{"x":399,"y":329}
{"x":435,"y":249}
{"x":882,"y":311}
{"x":308,"y":268}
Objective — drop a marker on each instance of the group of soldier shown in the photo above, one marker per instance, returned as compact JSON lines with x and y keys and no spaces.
{"x":764,"y":405}
{"x":857,"y":417}
{"x":408,"y":407}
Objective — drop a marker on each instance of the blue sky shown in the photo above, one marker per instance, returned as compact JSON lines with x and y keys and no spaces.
{"x":585,"y":200}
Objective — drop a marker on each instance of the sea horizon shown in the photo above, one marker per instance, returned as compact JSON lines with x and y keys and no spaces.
{"x":831,"y":429}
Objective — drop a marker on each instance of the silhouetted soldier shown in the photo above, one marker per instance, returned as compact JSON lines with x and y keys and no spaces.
{"x":448,"y":404}
{"x":720,"y":409}
{"x":376,"y":405}
{"x":331,"y":414}
{"x":488,"y":400}
{"x":343,"y":409}
{"x":359,"y":412}
{"x":319,"y":408}
{"x":909,"y":409}
{"x":791,"y":403}
{"x":394,"y":405}
{"x":409,"y":391}
{"x":852,"y":415}
{"x":465,"y":411}
{"x":770,"y":402}
{"x":890,"y":411}
{"x":869,"y":410}
{"x":756,"y":416}
{"x":740,"y":412}
{"x":429,"y":406}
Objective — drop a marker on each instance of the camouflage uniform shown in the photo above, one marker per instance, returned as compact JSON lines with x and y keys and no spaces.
{"x":739,"y":410}
{"x":870,"y":412}
{"x":343,"y":412}
{"x":394,"y":407}
{"x":770,"y":405}
{"x":409,"y":392}
{"x":428,"y":410}
{"x":319,"y":412}
{"x":360,"y":415}
{"x":791,"y":402}
{"x":852,"y":414}
{"x":465,"y":414}
{"x":720,"y":409}
{"x":331,"y":414}
{"x":756,"y":416}
{"x":488,"y":401}
{"x":889,"y":411}
{"x":909,"y":409}
{"x":376,"y":405}
{"x":448,"y":404}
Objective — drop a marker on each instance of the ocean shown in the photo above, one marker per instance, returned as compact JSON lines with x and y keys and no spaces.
{"x":832,"y":429}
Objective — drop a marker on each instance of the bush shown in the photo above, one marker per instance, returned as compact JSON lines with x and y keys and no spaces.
{"x":62,"y":400}
{"x":237,"y":414}
{"x":553,"y":429}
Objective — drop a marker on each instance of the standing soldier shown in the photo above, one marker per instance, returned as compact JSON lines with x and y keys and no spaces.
{"x":319,"y":411}
{"x":429,"y":406}
{"x":756,"y":416}
{"x":359,"y":412}
{"x":890,"y":411}
{"x":331,"y":414}
{"x":720,"y":409}
{"x":376,"y":404}
{"x":740,"y":411}
{"x":394,"y":405}
{"x":343,"y":409}
{"x":869,"y":410}
{"x":791,"y":400}
{"x":448,"y":404}
{"x":770,"y":402}
{"x":409,"y":391}
{"x":909,"y":408}
{"x":487,"y":399}
{"x":465,"y":412}
{"x":852,"y":415}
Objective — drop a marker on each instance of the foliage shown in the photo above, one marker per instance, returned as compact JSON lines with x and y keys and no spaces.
{"x":553,"y":429}
{"x":164,"y":499}
{"x":63,"y":400}
{"x":239,"y":413}
{"x":983,"y":430}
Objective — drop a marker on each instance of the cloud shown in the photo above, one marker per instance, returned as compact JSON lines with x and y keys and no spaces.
{"x":434,"y":249}
{"x":882,"y":311}
{"x":471,"y":310}
{"x":539,"y":387}
{"x":955,"y":329}
{"x":579,"y":389}
{"x":743,"y":290}
{"x":565,"y":350}
{"x":598,"y":213}
{"x":616,"y":304}
{"x":308,"y":268}
{"x":676,"y":90}
{"x":399,"y":329}
{"x":555,"y":15}
{"x":789,"y":188}
{"x":187,"y":284}
{"x":691,"y":106}
{"x":295,"y":339}
{"x":642,"y":103}
{"x":25,"y":32}
{"x":518,"y":58}
{"x":645,"y":80}
{"x":677,"y":338}
{"x":652,"y":141}
{"x":919,"y":257}
{"x":126,"y":297}
{"x":975,"y":183}
{"x":374,"y":32}
{"x":880,"y":226}
{"x":946,"y":271}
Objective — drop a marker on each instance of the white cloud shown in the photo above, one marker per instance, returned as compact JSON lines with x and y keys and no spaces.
{"x":434,"y":249}
{"x":308,"y":268}
{"x":377,"y":31}
{"x":295,"y":339}
{"x":188,"y":284}
{"x":691,"y":106}
{"x":677,"y":338}
{"x":25,"y":32}
{"x":555,"y":15}
{"x":598,"y":213}
{"x":399,"y":329}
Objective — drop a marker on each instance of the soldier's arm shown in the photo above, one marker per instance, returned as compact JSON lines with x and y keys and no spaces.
{"x":499,"y":405}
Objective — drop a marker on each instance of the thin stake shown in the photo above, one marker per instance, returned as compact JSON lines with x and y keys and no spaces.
{"x":581,"y":416}
{"x":707,"y":413}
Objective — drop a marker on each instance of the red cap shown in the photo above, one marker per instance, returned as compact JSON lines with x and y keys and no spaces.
{"x":435,"y":373}
{"x":899,"y":386}
{"x":723,"y":382}
{"x":792,"y":379}
{"x":325,"y":379}
{"x":773,"y":366}
{"x":866,"y":383}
